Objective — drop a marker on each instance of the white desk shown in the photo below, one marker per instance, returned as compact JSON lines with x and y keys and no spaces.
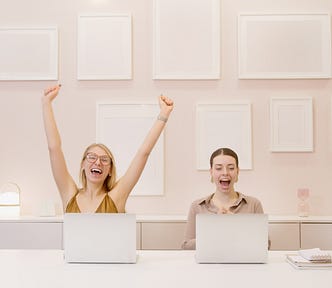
{"x":157,"y":269}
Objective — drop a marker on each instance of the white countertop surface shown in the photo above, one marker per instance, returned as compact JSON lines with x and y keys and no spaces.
{"x":157,"y":269}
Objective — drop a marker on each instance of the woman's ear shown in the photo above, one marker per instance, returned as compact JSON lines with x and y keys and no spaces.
{"x":237,"y":173}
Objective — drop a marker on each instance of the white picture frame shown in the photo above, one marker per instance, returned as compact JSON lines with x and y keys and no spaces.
{"x":186,"y":39}
{"x":284,"y":46}
{"x":29,"y":53}
{"x":233,"y":121}
{"x":291,"y":124}
{"x":104,"y":47}
{"x":122,"y":127}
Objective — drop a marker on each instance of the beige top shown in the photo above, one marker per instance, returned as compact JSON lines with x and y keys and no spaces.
{"x":244,"y":204}
{"x":106,"y":205}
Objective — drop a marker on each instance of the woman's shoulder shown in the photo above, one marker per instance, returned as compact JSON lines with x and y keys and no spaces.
{"x":253,"y":203}
{"x":201,"y":200}
{"x":249,"y":198}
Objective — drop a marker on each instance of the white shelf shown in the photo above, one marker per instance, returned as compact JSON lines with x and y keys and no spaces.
{"x":170,"y":218}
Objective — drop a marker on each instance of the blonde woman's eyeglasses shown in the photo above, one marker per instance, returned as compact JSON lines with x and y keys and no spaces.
{"x":93,"y":157}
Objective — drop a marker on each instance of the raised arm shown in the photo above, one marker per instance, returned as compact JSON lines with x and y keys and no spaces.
{"x":63,"y":180}
{"x":127,"y":182}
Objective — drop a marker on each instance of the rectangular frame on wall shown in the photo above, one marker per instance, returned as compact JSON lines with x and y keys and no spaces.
{"x":186,"y":39}
{"x":29,"y":53}
{"x":104,"y":47}
{"x":223,"y":125}
{"x":283,"y":46}
{"x":122,"y":127}
{"x":291,"y":123}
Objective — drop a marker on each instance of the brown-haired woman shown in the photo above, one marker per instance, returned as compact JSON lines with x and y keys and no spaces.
{"x":224,"y":171}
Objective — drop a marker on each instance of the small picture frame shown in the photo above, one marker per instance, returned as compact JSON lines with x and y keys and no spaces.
{"x":29,"y":53}
{"x":284,"y":46}
{"x":186,"y":39}
{"x":291,"y":122}
{"x":104,"y":47}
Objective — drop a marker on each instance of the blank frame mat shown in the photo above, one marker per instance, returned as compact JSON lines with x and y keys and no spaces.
{"x":29,"y":53}
{"x":284,"y":46}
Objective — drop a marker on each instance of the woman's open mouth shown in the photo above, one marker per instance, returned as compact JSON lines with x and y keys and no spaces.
{"x":96,"y":171}
{"x":225,"y":183}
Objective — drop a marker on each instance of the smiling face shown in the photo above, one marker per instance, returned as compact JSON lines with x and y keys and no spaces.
{"x":224,"y":172}
{"x":96,"y":164}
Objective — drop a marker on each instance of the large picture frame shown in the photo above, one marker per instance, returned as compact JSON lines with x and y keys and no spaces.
{"x":223,"y":125}
{"x":29,"y":53}
{"x":284,"y":46}
{"x":186,"y":39}
{"x":122,"y":127}
{"x":291,"y":123}
{"x":104,"y":47}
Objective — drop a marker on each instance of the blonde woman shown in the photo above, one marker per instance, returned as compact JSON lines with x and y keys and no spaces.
{"x":101,"y":192}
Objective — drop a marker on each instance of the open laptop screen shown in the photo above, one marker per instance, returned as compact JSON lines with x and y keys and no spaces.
{"x":231,"y":238}
{"x":99,"y":237}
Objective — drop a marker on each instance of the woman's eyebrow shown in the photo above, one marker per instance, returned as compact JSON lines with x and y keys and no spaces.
{"x":220,"y":165}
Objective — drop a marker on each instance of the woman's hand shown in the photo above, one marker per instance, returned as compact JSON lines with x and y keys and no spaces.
{"x":166,"y":106}
{"x":51,"y":92}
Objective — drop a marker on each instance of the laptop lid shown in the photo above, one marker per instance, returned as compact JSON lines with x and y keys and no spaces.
{"x":99,"y":237}
{"x":231,"y":238}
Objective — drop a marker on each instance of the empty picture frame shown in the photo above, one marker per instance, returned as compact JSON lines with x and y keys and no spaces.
{"x":291,"y":122}
{"x":104,"y":47}
{"x":223,"y":125}
{"x":29,"y":53}
{"x":122,"y":127}
{"x":281,"y":46}
{"x":186,"y":39}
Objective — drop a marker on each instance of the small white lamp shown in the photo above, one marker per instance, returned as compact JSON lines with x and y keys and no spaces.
{"x":10,"y":199}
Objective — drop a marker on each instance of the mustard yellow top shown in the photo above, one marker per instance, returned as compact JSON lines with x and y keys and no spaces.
{"x":106,"y":206}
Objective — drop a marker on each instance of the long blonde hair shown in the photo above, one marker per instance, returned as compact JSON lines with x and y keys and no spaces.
{"x":111,"y":177}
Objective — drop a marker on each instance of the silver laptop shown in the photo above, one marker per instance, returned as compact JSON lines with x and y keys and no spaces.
{"x":99,"y":238}
{"x":231,"y":238}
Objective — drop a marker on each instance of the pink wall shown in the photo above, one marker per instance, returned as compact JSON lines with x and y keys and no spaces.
{"x":274,"y":178}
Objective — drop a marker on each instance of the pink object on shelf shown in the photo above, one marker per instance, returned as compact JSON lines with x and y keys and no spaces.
{"x":303,"y":193}
{"x":303,"y":205}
